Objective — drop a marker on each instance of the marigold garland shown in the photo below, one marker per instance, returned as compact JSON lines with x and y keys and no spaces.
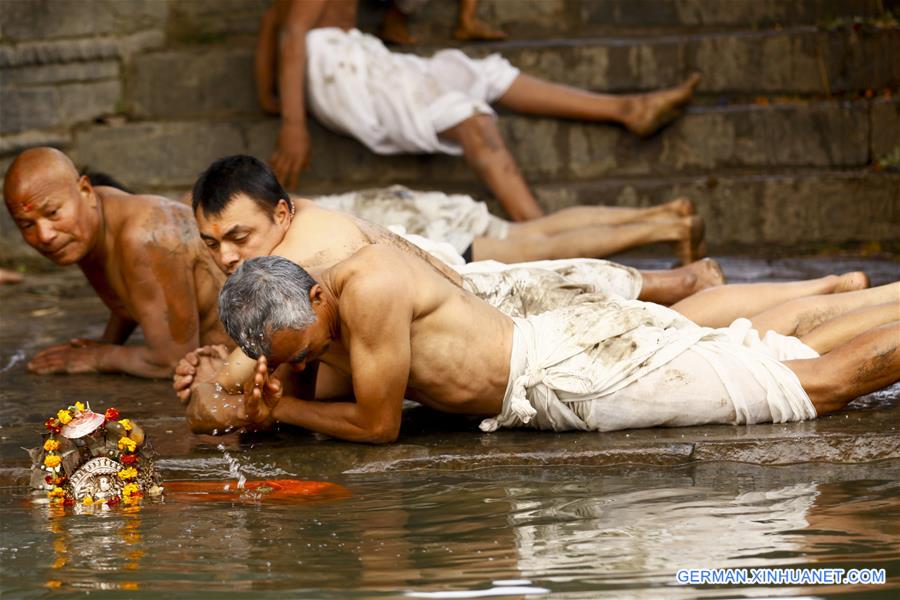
{"x":58,"y":496}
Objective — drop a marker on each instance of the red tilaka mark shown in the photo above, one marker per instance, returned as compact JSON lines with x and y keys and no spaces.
{"x":27,"y":206}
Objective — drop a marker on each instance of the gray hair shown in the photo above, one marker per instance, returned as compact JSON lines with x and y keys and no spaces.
{"x":265,"y":294}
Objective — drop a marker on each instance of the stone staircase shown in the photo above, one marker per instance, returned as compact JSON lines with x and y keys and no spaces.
{"x":793,"y":142}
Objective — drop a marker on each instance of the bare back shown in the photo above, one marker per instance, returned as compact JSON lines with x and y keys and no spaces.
{"x":318,"y":238}
{"x":159,"y":236}
{"x":459,"y":346}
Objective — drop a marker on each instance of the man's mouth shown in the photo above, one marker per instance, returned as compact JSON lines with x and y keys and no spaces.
{"x":58,"y":251}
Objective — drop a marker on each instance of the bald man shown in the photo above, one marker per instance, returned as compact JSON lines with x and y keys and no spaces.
{"x":141,"y":254}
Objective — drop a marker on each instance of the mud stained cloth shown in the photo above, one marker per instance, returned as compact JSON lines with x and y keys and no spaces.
{"x":605,"y":363}
{"x":397,"y":103}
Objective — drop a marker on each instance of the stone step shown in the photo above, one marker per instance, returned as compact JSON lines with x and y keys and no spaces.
{"x":218,"y":81}
{"x":769,"y":138}
{"x":217,"y":20}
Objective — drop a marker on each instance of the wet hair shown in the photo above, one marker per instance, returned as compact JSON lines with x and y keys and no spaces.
{"x":239,"y":174}
{"x":100,"y":178}
{"x":266,"y":294}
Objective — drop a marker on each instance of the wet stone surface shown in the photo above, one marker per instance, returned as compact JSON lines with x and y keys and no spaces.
{"x":53,"y":307}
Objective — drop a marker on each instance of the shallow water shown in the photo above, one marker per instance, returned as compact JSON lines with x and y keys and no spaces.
{"x":418,"y":520}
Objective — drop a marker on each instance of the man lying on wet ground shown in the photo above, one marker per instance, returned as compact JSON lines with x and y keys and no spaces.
{"x":141,"y":254}
{"x":242,"y":212}
{"x":398,"y":330}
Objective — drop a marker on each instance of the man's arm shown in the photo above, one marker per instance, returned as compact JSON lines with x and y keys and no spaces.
{"x":292,"y":152}
{"x":118,"y":329}
{"x":376,"y":316}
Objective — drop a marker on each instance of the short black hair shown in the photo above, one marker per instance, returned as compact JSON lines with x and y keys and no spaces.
{"x":239,"y":174}
{"x":100,"y":178}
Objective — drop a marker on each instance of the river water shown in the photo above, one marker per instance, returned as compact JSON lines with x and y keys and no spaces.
{"x":556,"y":531}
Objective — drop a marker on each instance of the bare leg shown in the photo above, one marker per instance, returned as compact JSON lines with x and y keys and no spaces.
{"x":642,"y":114}
{"x":799,"y":317}
{"x":866,"y":363}
{"x":719,"y":306}
{"x":469,"y":27}
{"x":488,"y":156}
{"x":590,"y":242}
{"x":577,"y":217}
{"x":670,"y":286}
{"x":835,"y":332}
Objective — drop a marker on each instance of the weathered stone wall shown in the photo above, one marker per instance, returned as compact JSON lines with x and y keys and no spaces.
{"x":790,"y":142}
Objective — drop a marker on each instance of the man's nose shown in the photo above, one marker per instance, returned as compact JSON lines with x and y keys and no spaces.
{"x":45,"y":232}
{"x":230,"y":257}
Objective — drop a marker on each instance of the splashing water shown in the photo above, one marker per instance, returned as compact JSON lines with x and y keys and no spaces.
{"x":234,"y":468}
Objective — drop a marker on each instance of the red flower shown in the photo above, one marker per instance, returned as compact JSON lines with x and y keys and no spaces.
{"x":111,"y":414}
{"x":113,"y":501}
{"x":49,"y":478}
{"x":53,"y":425}
{"x":128,"y":459}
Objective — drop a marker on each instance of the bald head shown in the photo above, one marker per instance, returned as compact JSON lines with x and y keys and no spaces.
{"x":37,"y":168}
{"x":54,"y":209}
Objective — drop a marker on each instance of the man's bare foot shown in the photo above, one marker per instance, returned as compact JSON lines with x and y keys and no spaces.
{"x":850,"y":282}
{"x":706,"y":273}
{"x":394,"y":29}
{"x":477,"y":30}
{"x":681,"y":207}
{"x":691,"y":246}
{"x":8,"y":277}
{"x":653,"y":110}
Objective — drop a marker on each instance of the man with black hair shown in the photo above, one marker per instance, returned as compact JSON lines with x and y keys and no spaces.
{"x":141,"y":254}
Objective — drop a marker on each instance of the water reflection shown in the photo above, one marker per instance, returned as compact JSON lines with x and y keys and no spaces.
{"x":590,"y":533}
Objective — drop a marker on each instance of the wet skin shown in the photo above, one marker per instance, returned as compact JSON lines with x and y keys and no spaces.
{"x":399,"y":330}
{"x":141,"y":254}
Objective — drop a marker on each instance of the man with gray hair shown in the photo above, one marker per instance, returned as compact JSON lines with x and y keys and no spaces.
{"x":400,"y":330}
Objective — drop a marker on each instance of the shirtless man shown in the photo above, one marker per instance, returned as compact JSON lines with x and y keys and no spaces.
{"x":397,"y":103}
{"x":141,"y":254}
{"x":242,"y":212}
{"x":394,"y":28}
{"x":400,"y":330}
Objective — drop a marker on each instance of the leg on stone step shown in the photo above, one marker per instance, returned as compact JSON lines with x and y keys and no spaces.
{"x":642,"y":114}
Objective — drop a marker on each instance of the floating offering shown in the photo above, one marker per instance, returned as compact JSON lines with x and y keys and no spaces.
{"x":275,"y":490}
{"x":90,"y":461}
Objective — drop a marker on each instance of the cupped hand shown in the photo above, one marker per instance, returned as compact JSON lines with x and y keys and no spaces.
{"x":198,"y":365}
{"x":261,"y":399}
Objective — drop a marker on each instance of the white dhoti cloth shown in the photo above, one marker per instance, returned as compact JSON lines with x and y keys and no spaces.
{"x":456,"y":219}
{"x":397,"y":103}
{"x":606,"y":363}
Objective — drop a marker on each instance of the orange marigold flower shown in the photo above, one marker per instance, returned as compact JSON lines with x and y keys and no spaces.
{"x":131,"y":489}
{"x":79,"y":406}
{"x":111,"y":414}
{"x":129,"y":473}
{"x":52,"y":460}
{"x":127,"y":444}
{"x":64,"y":416}
{"x":88,"y":501}
{"x":126,"y":424}
{"x":51,"y":445}
{"x":57,"y":492}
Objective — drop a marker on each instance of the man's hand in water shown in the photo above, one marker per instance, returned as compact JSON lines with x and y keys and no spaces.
{"x":76,"y":356}
{"x":291,"y":154}
{"x":260,"y":399}
{"x":199,"y":365}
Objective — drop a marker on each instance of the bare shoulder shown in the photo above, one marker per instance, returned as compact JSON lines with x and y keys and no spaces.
{"x":374,"y":272}
{"x":154,"y":225}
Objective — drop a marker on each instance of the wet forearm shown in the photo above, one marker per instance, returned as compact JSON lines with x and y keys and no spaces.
{"x":341,"y":420}
{"x":118,"y":330}
{"x":140,"y":361}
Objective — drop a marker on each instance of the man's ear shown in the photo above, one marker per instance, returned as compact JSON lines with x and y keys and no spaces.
{"x":282,"y":212}
{"x":315,"y":295}
{"x":87,"y":191}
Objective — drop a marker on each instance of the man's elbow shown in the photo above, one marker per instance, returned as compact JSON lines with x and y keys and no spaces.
{"x":383,"y":434}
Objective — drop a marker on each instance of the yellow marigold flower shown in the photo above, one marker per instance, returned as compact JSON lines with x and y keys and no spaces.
{"x":126,"y":424}
{"x":52,"y":460}
{"x":57,"y":492}
{"x":127,"y":444}
{"x":130,"y":489}
{"x":64,"y":416}
{"x":79,"y":406}
{"x":88,"y":501}
{"x":50,"y":445}
{"x":129,"y":473}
